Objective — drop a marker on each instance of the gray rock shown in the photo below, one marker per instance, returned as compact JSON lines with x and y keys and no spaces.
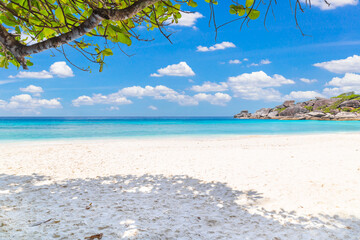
{"x":273,"y":114}
{"x":299,"y":111}
{"x":324,"y":102}
{"x":300,"y":104}
{"x":350,"y":103}
{"x":310,"y":103}
{"x":291,"y":111}
{"x":334,"y":111}
{"x":243,"y":114}
{"x":300,"y":116}
{"x":262,"y":113}
{"x":316,"y":114}
{"x":289,"y":103}
{"x":346,"y":115}
{"x":329,"y":116}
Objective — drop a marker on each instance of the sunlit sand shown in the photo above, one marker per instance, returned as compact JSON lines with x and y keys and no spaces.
{"x":246,"y":187}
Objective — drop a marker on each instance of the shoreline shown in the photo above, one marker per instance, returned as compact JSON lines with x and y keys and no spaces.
{"x":173,"y":137}
{"x":285,"y":186}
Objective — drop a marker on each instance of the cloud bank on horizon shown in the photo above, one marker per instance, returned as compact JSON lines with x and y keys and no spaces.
{"x":252,"y":86}
{"x":198,"y":75}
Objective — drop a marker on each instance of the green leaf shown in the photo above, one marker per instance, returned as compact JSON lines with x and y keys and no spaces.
{"x":28,"y":63}
{"x":124,"y":38}
{"x":253,"y":13}
{"x":241,"y":12}
{"x":8,"y":21}
{"x":107,"y":52}
{"x":59,"y":15}
{"x":192,"y":3}
{"x":249,"y":3}
{"x":17,"y":30}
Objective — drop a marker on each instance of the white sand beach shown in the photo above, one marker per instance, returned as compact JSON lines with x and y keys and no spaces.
{"x":241,"y":187}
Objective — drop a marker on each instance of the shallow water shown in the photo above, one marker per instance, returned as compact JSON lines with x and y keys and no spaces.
{"x":84,"y":128}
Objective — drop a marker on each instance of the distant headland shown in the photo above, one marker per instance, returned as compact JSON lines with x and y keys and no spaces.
{"x":343,"y":107}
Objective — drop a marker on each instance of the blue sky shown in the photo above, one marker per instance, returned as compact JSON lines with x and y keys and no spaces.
{"x":196,"y":75}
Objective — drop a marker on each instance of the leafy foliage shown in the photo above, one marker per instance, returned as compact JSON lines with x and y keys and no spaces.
{"x":75,"y":23}
{"x":310,"y":108}
{"x":342,"y":98}
{"x":39,"y":20}
{"x":348,"y":96}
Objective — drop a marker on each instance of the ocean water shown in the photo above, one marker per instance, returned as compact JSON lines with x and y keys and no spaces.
{"x":13,"y":129}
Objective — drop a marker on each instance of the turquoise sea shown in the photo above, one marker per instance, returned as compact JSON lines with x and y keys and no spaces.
{"x":13,"y":129}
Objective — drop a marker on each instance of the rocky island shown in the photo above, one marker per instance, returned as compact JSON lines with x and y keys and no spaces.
{"x":343,"y":107}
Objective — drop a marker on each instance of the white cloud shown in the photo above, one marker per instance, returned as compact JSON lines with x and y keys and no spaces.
{"x":350,"y":82}
{"x":148,"y":91}
{"x":350,"y":79}
{"x":61,"y":69}
{"x":257,"y":86}
{"x":159,"y":92}
{"x":181,"y":69}
{"x":259,"y":79}
{"x":265,"y":61}
{"x":331,"y":92}
{"x":302,"y":95}
{"x":100,"y":99}
{"x":218,"y":46}
{"x":25,"y":103}
{"x":38,"y":75}
{"x":35,"y":90}
{"x":2,"y":82}
{"x":306,"y":80}
{"x":153,"y":108}
{"x":333,"y":3}
{"x":262,"y":62}
{"x":245,"y":59}
{"x":210,"y":87}
{"x":338,"y":85}
{"x":113,"y":108}
{"x":28,"y":39}
{"x":235,"y":61}
{"x":217,"y":99}
{"x":350,"y":64}
{"x":189,"y":19}
{"x":257,"y":93}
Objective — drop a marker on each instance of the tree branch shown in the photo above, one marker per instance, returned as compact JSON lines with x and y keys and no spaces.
{"x":98,"y":15}
{"x":94,"y":20}
{"x":12,"y":45}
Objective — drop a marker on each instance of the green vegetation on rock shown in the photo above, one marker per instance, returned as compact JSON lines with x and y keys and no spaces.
{"x":348,"y":96}
{"x":310,"y":108}
{"x":342,"y":98}
{"x":280,"y":109}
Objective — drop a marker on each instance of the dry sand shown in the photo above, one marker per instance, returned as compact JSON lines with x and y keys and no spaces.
{"x":244,"y":187}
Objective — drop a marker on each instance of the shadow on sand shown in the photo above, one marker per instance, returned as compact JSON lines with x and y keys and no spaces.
{"x":150,"y":207}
